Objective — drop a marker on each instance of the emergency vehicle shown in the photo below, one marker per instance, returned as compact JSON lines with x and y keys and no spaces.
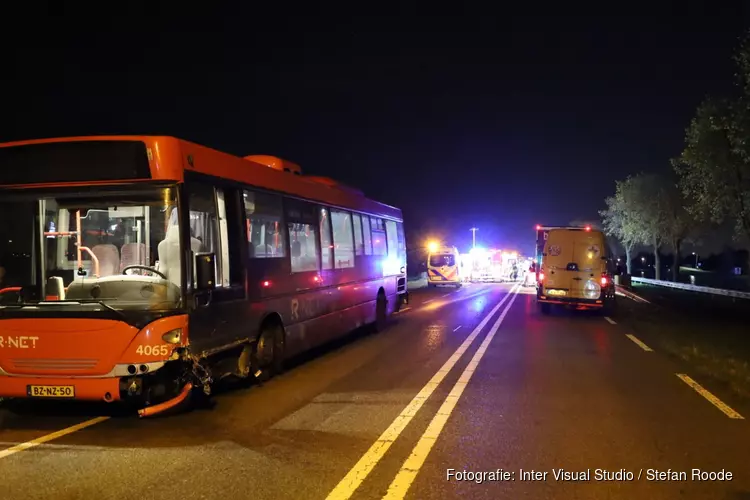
{"x":443,"y":266}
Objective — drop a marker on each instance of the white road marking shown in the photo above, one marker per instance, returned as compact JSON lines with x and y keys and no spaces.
{"x":403,"y":310}
{"x":405,"y":477}
{"x":457,"y":329}
{"x":729,"y":412}
{"x":50,"y":437}
{"x":354,"y":478}
{"x":610,"y":320}
{"x":427,"y":301}
{"x":638,"y":342}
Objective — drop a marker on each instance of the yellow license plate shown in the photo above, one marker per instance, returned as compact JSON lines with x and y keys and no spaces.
{"x":556,"y":293}
{"x":51,"y":391}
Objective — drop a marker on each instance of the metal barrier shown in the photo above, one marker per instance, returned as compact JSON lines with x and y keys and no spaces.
{"x":693,"y":288}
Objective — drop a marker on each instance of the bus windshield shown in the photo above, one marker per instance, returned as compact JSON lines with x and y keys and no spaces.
{"x":120,"y":250}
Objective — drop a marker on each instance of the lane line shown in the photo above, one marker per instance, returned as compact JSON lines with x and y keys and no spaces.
{"x":403,"y":310}
{"x":728,"y":411}
{"x":49,"y":437}
{"x":638,"y":342}
{"x":354,"y":478}
{"x":457,"y":329}
{"x":405,"y":477}
{"x":610,"y":320}
{"x":427,"y":301}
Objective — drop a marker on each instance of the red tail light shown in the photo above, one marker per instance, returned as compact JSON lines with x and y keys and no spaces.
{"x":605,"y":280}
{"x":266,"y":284}
{"x":541,"y":276}
{"x":588,"y":228}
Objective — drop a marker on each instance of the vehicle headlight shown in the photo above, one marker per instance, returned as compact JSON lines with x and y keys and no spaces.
{"x":173,"y":336}
{"x":592,"y":290}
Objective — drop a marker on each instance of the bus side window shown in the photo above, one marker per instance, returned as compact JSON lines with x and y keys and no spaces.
{"x":326,"y":243}
{"x":304,"y":247}
{"x":303,"y":230}
{"x":265,"y":236}
{"x":367,"y":234}
{"x":343,"y":252}
{"x":359,"y":244}
{"x":379,"y":246}
{"x":401,"y":240}
{"x":392,"y":238}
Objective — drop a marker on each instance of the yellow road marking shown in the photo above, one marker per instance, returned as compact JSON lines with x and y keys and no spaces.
{"x":405,"y":477}
{"x":638,"y":342}
{"x":729,"y":412}
{"x":50,"y":437}
{"x":354,"y":478}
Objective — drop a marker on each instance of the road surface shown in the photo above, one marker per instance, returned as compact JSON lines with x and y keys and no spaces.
{"x":463,"y":380}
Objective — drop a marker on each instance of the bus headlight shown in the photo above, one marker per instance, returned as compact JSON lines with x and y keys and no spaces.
{"x":172,"y":336}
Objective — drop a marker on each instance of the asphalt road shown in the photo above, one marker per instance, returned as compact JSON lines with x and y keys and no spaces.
{"x":472,"y":379}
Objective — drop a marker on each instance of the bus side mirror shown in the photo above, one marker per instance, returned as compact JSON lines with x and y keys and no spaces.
{"x":205,"y":271}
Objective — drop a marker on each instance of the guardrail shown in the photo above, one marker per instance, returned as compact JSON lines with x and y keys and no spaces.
{"x":692,"y":288}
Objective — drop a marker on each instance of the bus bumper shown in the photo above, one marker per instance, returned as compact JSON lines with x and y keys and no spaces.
{"x":84,"y":389}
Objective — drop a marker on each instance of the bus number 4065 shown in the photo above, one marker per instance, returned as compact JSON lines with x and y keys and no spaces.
{"x":156,"y":350}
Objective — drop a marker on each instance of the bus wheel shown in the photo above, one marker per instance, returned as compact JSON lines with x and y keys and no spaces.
{"x":268,"y":356}
{"x":381,"y":312}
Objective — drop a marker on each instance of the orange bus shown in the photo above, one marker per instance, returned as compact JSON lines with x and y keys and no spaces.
{"x":155,"y":267}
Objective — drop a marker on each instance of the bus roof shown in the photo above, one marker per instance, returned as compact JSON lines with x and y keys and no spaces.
{"x":170,"y":158}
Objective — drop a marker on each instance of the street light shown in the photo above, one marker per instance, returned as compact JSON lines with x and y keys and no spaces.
{"x":643,"y":260}
{"x":474,"y":236}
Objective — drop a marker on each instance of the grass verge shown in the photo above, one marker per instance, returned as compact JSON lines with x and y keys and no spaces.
{"x":711,"y":336}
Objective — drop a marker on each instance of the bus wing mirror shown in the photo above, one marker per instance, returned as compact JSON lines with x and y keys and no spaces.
{"x":205,"y":271}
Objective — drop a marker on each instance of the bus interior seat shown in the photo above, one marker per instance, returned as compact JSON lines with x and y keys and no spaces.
{"x":109,"y":259}
{"x":169,"y":254}
{"x":133,"y":254}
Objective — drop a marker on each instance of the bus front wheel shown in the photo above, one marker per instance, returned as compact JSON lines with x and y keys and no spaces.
{"x":268,"y":359}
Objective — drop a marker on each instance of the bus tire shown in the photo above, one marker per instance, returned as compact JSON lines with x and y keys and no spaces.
{"x":381,"y":312}
{"x":268,"y":359}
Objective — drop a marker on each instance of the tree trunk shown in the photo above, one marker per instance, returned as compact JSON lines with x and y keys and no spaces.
{"x":676,"y":244}
{"x":657,"y":263}
{"x":628,"y":265}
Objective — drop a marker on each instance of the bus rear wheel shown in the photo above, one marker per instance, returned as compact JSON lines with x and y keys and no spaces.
{"x":268,"y":352}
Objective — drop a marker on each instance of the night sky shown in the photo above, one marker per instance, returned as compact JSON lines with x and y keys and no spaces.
{"x":501,"y":119}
